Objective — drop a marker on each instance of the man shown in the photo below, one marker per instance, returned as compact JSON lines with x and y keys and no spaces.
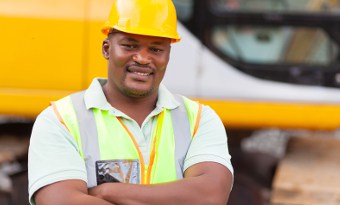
{"x":165,"y":149}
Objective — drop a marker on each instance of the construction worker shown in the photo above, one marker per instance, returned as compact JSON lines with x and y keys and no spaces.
{"x":127,"y":139}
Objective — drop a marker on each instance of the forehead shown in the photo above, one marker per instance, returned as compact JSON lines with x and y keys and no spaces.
{"x":121,"y":36}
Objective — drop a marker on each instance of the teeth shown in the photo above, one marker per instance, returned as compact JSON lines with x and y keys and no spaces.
{"x":143,"y":74}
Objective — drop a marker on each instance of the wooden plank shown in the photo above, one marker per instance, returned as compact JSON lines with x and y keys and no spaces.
{"x":309,"y":173}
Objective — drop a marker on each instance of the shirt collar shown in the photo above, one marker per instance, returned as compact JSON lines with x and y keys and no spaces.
{"x":94,"y":97}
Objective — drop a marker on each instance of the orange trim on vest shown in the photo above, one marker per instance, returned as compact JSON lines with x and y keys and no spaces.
{"x":55,"y":109}
{"x":154,"y":145}
{"x":198,"y":119}
{"x":146,"y":179}
{"x":142,"y":164}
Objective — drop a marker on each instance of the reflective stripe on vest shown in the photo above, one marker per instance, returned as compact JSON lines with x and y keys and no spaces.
{"x":94,"y":143}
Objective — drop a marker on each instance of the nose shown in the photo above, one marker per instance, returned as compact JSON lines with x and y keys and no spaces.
{"x":141,"y":57}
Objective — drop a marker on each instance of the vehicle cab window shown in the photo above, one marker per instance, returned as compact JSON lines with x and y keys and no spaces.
{"x":280,"y":40}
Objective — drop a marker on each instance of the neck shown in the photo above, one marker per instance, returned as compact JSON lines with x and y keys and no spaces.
{"x":138,"y":108}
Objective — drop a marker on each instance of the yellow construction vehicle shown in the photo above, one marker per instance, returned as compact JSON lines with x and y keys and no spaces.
{"x":260,"y":64}
{"x":48,"y":49}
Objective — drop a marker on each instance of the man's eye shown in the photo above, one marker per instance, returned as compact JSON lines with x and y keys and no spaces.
{"x":129,"y":46}
{"x":156,"y":50}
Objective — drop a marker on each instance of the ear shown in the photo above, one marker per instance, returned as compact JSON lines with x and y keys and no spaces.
{"x":105,"y":49}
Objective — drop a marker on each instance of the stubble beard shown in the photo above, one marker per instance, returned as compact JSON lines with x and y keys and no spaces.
{"x":135,"y":93}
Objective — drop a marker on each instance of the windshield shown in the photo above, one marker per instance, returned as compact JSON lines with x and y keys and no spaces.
{"x":269,"y":45}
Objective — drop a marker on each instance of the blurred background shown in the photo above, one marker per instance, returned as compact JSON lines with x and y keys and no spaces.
{"x":269,"y":68}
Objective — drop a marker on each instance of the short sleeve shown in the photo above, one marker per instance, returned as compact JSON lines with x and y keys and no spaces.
{"x":210,"y":143}
{"x":53,"y":154}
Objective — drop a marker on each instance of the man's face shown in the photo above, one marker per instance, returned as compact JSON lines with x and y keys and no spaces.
{"x":136,"y":63}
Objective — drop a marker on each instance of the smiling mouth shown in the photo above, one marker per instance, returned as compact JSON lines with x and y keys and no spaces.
{"x":140,"y":71}
{"x":141,"y":74}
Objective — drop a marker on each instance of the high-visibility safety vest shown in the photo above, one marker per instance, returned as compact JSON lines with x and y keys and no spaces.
{"x":102,"y":136}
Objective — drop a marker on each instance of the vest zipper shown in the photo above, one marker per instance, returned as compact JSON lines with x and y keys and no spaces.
{"x":145,"y":174}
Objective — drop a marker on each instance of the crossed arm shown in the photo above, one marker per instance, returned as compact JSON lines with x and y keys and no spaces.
{"x":205,"y":183}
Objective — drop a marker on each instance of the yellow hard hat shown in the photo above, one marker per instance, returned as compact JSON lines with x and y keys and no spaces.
{"x":144,"y":17}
